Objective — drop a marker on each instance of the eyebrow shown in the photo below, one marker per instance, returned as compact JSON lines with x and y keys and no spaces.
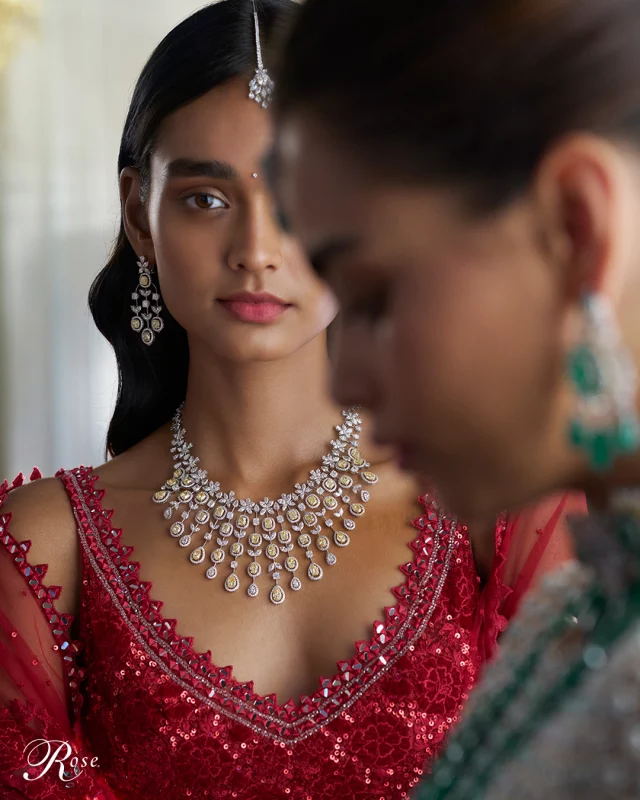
{"x":322,"y":257}
{"x":190,"y":168}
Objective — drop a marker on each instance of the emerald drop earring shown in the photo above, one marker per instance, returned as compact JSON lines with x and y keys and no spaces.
{"x":605,"y":379}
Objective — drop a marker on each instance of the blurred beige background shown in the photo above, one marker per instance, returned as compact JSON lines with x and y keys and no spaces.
{"x":63,"y":98}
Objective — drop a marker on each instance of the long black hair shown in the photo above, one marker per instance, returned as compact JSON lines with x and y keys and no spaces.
{"x":209,"y":48}
{"x":466,"y":93}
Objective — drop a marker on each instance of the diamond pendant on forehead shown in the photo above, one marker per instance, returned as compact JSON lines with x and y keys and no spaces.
{"x":282,"y":539}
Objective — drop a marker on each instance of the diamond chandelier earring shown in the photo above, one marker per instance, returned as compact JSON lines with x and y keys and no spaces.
{"x":605,"y":378}
{"x":146,"y":308}
{"x":261,"y":86}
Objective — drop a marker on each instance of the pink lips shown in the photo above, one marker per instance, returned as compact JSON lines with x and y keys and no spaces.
{"x":258,"y":307}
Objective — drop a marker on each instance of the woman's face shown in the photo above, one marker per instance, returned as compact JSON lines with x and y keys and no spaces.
{"x":453,"y":328}
{"x":208,"y":224}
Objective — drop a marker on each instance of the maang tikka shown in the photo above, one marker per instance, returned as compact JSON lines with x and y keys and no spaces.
{"x":146,"y":305}
{"x":261,"y":86}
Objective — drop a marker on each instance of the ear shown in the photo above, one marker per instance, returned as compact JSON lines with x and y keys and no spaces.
{"x":578,"y":188}
{"x":134,"y":214}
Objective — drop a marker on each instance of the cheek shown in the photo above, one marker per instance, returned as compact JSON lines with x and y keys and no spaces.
{"x":470,"y":349}
{"x":316,"y":300}
{"x":328,"y":307}
{"x":187,"y":249}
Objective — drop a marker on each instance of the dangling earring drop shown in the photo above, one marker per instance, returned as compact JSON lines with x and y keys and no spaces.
{"x":147,"y":320}
{"x":606,"y":381}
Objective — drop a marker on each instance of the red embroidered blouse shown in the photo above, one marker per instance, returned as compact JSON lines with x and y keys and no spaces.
{"x":162,"y":720}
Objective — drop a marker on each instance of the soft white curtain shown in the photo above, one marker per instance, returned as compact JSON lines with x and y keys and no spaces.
{"x":62,"y":105}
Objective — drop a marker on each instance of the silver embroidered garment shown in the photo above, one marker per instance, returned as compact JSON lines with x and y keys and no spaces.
{"x":589,"y":749}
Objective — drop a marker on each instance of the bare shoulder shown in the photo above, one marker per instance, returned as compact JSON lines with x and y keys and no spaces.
{"x":41,"y":512}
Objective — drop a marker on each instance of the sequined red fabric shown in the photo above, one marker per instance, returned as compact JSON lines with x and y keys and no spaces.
{"x":164,"y":721}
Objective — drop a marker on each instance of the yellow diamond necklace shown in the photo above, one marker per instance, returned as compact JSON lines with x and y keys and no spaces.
{"x":318,"y":514}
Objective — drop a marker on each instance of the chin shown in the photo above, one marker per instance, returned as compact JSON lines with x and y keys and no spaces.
{"x":250,"y":351}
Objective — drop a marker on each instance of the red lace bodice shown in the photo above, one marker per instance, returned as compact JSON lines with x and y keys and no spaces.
{"x":164,"y":721}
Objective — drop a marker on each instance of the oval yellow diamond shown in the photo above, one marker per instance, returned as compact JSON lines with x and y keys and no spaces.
{"x":218,"y":556}
{"x":272,"y":550}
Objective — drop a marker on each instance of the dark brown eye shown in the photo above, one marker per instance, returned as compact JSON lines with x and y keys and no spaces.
{"x":206,"y":202}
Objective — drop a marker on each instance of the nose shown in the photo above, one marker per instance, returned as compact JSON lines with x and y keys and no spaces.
{"x":256,"y":241}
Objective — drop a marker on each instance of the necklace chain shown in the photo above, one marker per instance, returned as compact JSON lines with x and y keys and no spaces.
{"x":317,"y":515}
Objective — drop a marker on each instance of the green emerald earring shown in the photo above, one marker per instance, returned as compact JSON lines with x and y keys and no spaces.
{"x":605,"y":378}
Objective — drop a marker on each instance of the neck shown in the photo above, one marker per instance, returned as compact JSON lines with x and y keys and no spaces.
{"x":260,"y":426}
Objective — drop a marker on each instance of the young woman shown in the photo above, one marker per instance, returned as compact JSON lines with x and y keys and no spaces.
{"x":219,"y":327}
{"x":468,"y":179}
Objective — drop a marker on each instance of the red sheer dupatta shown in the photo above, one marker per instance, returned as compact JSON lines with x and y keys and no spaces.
{"x":39,"y":684}
{"x":528,"y":546}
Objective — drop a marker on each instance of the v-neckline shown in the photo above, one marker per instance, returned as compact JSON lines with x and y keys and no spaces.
{"x":404,"y":622}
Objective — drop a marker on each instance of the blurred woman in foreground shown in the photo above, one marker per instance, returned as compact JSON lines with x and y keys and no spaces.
{"x":468,"y":180}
